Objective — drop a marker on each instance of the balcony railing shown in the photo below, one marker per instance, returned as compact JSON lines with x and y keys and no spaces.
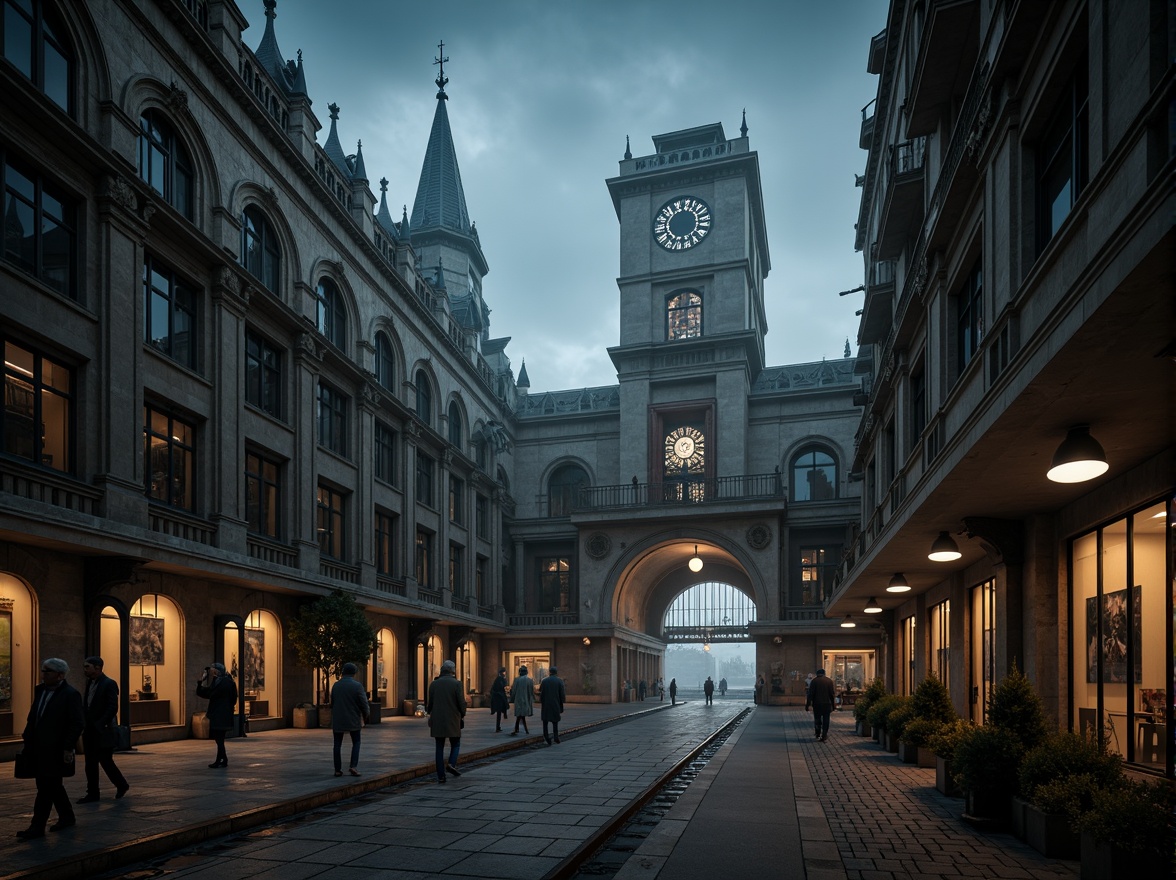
{"x":744,"y":487}
{"x":555,"y":618}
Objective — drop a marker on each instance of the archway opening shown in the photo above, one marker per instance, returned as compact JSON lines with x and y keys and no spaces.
{"x":706,"y":630}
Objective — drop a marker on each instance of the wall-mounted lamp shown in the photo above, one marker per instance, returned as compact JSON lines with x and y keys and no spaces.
{"x":587,"y":641}
{"x":706,"y":646}
{"x":1079,"y":458}
{"x":695,"y":563}
{"x":848,"y":623}
{"x":872,"y":607}
{"x":898,"y":584}
{"x":944,"y":549}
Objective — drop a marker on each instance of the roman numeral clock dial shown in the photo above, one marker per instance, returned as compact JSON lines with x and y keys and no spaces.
{"x":681,"y":223}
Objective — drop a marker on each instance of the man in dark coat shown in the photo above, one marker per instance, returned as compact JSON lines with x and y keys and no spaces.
{"x":551,"y":698}
{"x":446,"y":706}
{"x":708,"y":690}
{"x":50,"y":735}
{"x":499,"y":702}
{"x":822,"y":696}
{"x":349,"y":711}
{"x":99,"y":737}
{"x":218,"y":688}
{"x":673,"y":692}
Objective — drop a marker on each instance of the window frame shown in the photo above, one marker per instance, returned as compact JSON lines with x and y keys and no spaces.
{"x":456,"y":570}
{"x":331,"y":313}
{"x":562,"y":494}
{"x":385,"y":542}
{"x":683,"y":321}
{"x":795,"y":467}
{"x":264,"y":373}
{"x":426,"y":471}
{"x":66,"y":220}
{"x":424,"y":398}
{"x":1062,"y":155}
{"x":177,"y":299}
{"x":260,"y":249}
{"x":456,"y":427}
{"x":331,"y":413}
{"x":384,"y":442}
{"x":969,"y":329}
{"x":37,"y":388}
{"x":331,"y":522}
{"x":177,"y":176}
{"x":41,"y":33}
{"x":457,"y":488}
{"x":264,"y":472}
{"x":554,"y":571}
{"x":423,"y":558}
{"x":385,"y":363}
{"x":173,"y":440}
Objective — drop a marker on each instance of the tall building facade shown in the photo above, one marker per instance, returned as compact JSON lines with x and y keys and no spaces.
{"x":1016,"y":224}
{"x":235,"y":382}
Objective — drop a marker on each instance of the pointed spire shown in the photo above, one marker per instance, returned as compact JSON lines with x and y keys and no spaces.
{"x":405,"y":228}
{"x":628,"y":152}
{"x":359,"y":172}
{"x":332,"y":147}
{"x":847,"y":346}
{"x":440,"y":199}
{"x":743,"y":127}
{"x":299,"y":86}
{"x":439,"y":278}
{"x":524,"y":380}
{"x":269,"y":56}
{"x":441,"y":79}
{"x":383,"y":215}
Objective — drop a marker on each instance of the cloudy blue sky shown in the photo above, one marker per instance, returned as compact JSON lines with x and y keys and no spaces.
{"x":541,"y":96}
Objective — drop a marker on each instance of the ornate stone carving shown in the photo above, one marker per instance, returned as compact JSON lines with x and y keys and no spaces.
{"x":119,"y":191}
{"x":759,"y":536}
{"x":308,"y":346}
{"x":177,"y":98}
{"x":598,"y":545}
{"x":370,"y":394}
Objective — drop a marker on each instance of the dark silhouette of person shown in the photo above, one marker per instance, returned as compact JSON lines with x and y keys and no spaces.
{"x":641,"y":688}
{"x":499,"y":702}
{"x":522,"y":694}
{"x":349,"y":711}
{"x":673,"y":692}
{"x":708,"y":689}
{"x":822,"y":697}
{"x":551,"y":703}
{"x":218,"y":688}
{"x":50,"y":735}
{"x":446,"y":706}
{"x":722,"y":687}
{"x":99,"y":736}
{"x":759,"y":690}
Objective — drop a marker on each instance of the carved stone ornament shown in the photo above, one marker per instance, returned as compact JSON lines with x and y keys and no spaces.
{"x":759,"y":536}
{"x":598,"y":545}
{"x":371,"y":395}
{"x":177,"y":98}
{"x":308,"y":346}
{"x":920,"y":284}
{"x":119,"y":191}
{"x":230,"y":282}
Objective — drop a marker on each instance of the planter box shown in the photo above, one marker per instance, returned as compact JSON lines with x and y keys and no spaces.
{"x":877,"y":734}
{"x":305,"y":719}
{"x":891,"y":743}
{"x":376,"y":713}
{"x":864,"y":729}
{"x":1017,"y":818}
{"x":907,"y":753}
{"x":926,"y":757}
{"x":1050,"y":834}
{"x":943,"y":781}
{"x":1104,"y":861}
{"x":988,"y":809}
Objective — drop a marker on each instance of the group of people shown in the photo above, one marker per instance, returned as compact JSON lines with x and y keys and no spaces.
{"x":58,"y":716}
{"x":552,"y":696}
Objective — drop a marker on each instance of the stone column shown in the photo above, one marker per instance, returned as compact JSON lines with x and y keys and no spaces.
{"x":230,"y":301}
{"x":301,"y":478}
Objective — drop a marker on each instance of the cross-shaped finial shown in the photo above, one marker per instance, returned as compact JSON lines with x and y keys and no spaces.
{"x":440,"y":60}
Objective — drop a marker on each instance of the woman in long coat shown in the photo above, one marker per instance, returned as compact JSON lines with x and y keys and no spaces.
{"x":499,"y":702}
{"x":218,"y":688}
{"x":446,"y":706}
{"x":522,"y":694}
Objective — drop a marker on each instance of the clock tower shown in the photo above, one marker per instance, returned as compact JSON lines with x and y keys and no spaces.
{"x":693,"y":259}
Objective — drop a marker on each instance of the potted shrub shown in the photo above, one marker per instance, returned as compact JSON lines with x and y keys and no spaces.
{"x":896,"y":723}
{"x":880,"y":711}
{"x":1050,"y":814}
{"x":916,"y":735}
{"x":327,"y":633}
{"x":873,"y":692}
{"x":943,"y":743}
{"x":985,"y":763}
{"x":1125,"y":833}
{"x":1015,"y":706}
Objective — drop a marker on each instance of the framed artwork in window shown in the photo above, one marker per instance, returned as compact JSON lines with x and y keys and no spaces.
{"x":5,"y":660}
{"x":1112,"y":647}
{"x":145,"y":641}
{"x":254,"y":680}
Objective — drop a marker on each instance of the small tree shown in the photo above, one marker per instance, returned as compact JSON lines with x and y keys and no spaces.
{"x":1015,"y":706}
{"x":329,"y":632}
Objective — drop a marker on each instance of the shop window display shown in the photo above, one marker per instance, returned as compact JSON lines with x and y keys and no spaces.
{"x":152,"y":679}
{"x":258,"y":671}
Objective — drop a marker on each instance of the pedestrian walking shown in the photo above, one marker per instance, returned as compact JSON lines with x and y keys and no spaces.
{"x":218,"y":688}
{"x":50,"y":735}
{"x":349,"y":711}
{"x":673,"y":692}
{"x":522,"y":694}
{"x":499,"y":701}
{"x":708,"y":689}
{"x":641,"y":690}
{"x":446,"y":706}
{"x":100,"y":735}
{"x":759,"y":690}
{"x":661,"y":689}
{"x":822,"y":697}
{"x":551,"y":701}
{"x":722,"y":687}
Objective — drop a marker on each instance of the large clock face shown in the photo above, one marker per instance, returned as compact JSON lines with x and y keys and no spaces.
{"x":681,"y":223}
{"x":685,"y":447}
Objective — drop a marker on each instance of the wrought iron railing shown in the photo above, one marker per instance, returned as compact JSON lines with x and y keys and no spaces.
{"x":688,"y":491}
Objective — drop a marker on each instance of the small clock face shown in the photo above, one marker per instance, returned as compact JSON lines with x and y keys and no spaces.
{"x":681,"y":223}
{"x":685,"y":447}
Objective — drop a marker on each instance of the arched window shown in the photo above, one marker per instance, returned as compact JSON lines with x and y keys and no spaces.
{"x":563,"y":489}
{"x":385,"y":365}
{"x":164,"y":163}
{"x":684,"y":316}
{"x":35,"y":44}
{"x":456,"y":429}
{"x":424,"y":398}
{"x":814,"y":475}
{"x":331,"y":317}
{"x":260,"y":254}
